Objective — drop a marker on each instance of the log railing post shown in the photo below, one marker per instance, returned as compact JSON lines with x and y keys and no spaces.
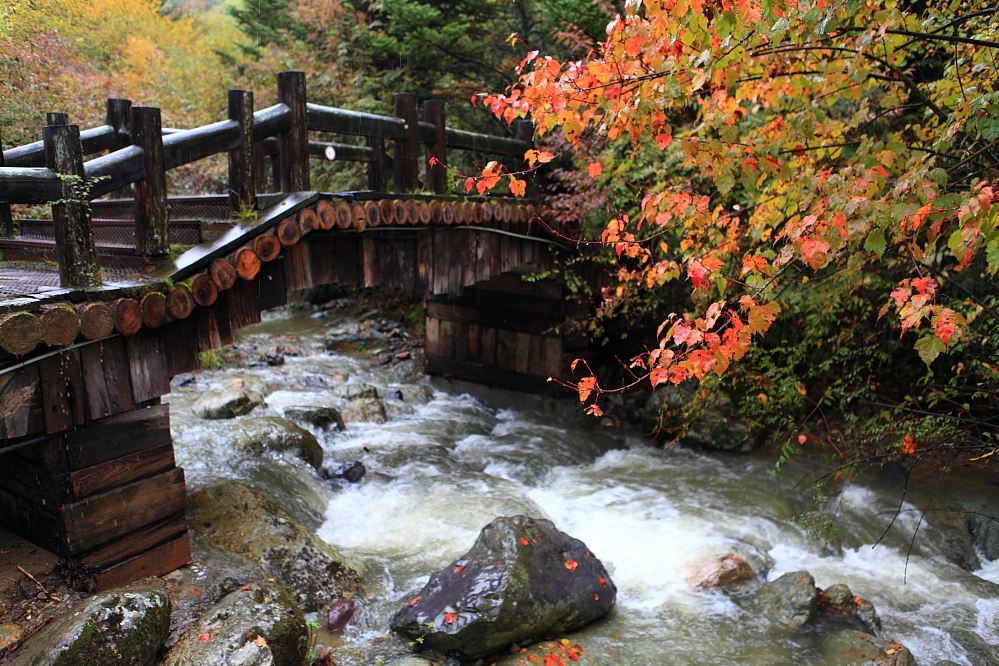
{"x":6,"y":219}
{"x":525,"y":132}
{"x":433,"y":112}
{"x":152,"y":233}
{"x":242,"y":167}
{"x":56,"y":118}
{"x":407,"y":151}
{"x":376,"y":167}
{"x":76,"y":253}
{"x":119,"y":117}
{"x":294,"y":142}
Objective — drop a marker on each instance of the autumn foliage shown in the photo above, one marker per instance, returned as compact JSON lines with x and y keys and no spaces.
{"x":815,"y":143}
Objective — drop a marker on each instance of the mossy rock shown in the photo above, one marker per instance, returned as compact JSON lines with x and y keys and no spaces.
{"x":231,"y":518}
{"x":320,"y":417}
{"x":227,"y":403}
{"x":121,"y":627}
{"x":855,"y":648}
{"x":257,"y":624}
{"x":273,"y":433}
{"x":790,"y":600}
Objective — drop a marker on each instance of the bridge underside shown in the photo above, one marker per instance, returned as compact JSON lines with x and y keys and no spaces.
{"x":87,"y":467}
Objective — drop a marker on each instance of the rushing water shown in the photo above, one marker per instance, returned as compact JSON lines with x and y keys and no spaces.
{"x":444,"y":465}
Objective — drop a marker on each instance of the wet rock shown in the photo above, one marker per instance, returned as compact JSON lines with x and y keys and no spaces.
{"x":522,"y":579}
{"x":954,"y":538}
{"x":984,"y":532}
{"x":839,"y":600}
{"x":946,"y":662}
{"x":272,"y":433}
{"x":364,"y":410}
{"x":855,"y":648}
{"x":255,"y":625}
{"x":791,"y":599}
{"x":714,"y":428}
{"x":231,"y":518}
{"x":357,"y":391}
{"x":340,"y":614}
{"x":248,"y":381}
{"x":227,"y":403}
{"x":121,"y":626}
{"x":351,"y":472}
{"x":725,"y":571}
{"x":320,"y":417}
{"x":10,"y":634}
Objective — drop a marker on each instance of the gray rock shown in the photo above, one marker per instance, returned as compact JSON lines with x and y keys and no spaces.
{"x":954,"y":537}
{"x":725,"y":572}
{"x":272,"y":433}
{"x":124,"y":626}
{"x":320,"y":417}
{"x":227,"y":403}
{"x":257,"y":625}
{"x":522,"y":579}
{"x":670,"y":410}
{"x":356,"y":391}
{"x":231,"y":518}
{"x":791,"y":599}
{"x":364,"y":410}
{"x":855,"y":648}
{"x":946,"y":662}
{"x":984,"y":531}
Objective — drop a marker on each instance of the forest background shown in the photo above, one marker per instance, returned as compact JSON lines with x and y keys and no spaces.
{"x":790,"y":200}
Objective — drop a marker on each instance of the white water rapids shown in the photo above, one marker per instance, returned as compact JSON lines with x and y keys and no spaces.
{"x":445,"y":465}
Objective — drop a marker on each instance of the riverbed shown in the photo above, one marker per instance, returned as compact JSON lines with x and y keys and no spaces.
{"x":446,"y":463}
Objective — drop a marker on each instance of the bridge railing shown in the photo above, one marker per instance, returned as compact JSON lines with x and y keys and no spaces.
{"x":139,"y":151}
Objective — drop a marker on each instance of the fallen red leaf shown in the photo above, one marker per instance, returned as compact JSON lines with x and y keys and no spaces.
{"x":245,"y":589}
{"x":523,"y":541}
{"x":602,"y":581}
{"x":596,"y":597}
{"x":259,"y":641}
{"x":195,"y":590}
{"x":413,"y":602}
{"x":450,"y":618}
{"x":204,"y":637}
{"x":589,"y":554}
{"x":458,"y":569}
{"x":571,"y":565}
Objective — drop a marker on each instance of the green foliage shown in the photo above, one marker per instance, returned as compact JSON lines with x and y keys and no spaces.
{"x":209,"y":360}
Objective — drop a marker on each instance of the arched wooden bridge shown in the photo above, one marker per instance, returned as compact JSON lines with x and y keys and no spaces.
{"x":96,"y":316}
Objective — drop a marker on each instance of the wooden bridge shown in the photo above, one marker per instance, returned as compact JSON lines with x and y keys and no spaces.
{"x":96,"y":316}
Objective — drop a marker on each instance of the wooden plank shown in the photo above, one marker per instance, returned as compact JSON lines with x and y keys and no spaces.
{"x":21,"y":407}
{"x":107,"y":475}
{"x":495,"y":254}
{"x":459,"y":341}
{"x":220,"y":313}
{"x":470,"y":257}
{"x":100,"y":518}
{"x":106,"y":378}
{"x":349,"y":260}
{"x":63,"y":399}
{"x":442,"y":262}
{"x":553,"y":357}
{"x":31,"y":521}
{"x":515,"y":306}
{"x":474,"y":343}
{"x":491,"y":376}
{"x":522,"y":353}
{"x":424,"y":262}
{"x":242,"y":302}
{"x":512,"y":284}
{"x":506,"y":349}
{"x":49,"y":454}
{"x":432,"y":337}
{"x":321,"y":253}
{"x":444,"y":309}
{"x":156,"y":562}
{"x":489,"y":346}
{"x":272,"y":288}
{"x":370,"y":265}
{"x":536,"y":355}
{"x":118,"y":436}
{"x":147,"y":365}
{"x":446,"y":343}
{"x":406,"y":262}
{"x":298,"y":266}
{"x":207,"y":328}
{"x":457,"y":249}
{"x":27,"y":480}
{"x":145,"y":538}
{"x":180,"y":340}
{"x":388,"y":262}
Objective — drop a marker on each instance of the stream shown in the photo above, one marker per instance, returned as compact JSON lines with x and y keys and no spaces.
{"x":445,"y":464}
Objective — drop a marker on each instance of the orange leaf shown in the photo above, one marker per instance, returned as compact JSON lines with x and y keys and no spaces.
{"x":469,"y":184}
{"x":518,"y":187}
{"x":523,"y":541}
{"x":204,"y":637}
{"x":595,"y":169}
{"x":602,"y":581}
{"x":259,"y":641}
{"x":571,"y":565}
{"x":585,"y":387}
{"x":458,"y":569}
{"x":589,"y":554}
{"x":195,"y":590}
{"x":544,"y":157}
{"x":596,"y":597}
{"x":909,"y":445}
{"x":450,"y":618}
{"x":413,"y":602}
{"x":594,"y":410}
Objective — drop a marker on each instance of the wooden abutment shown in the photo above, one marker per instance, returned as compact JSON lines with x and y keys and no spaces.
{"x":87,"y":467}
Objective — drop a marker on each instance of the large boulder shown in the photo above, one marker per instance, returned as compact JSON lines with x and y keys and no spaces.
{"x":522,"y":579}
{"x":272,"y":433}
{"x":713,"y":426}
{"x":790,"y":600}
{"x":227,"y":403}
{"x":231,"y":518}
{"x":984,"y":531}
{"x":364,"y":410}
{"x":257,"y":625}
{"x":855,"y":648}
{"x":121,"y":627}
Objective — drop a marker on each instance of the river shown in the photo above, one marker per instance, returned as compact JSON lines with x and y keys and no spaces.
{"x":445,"y":464}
